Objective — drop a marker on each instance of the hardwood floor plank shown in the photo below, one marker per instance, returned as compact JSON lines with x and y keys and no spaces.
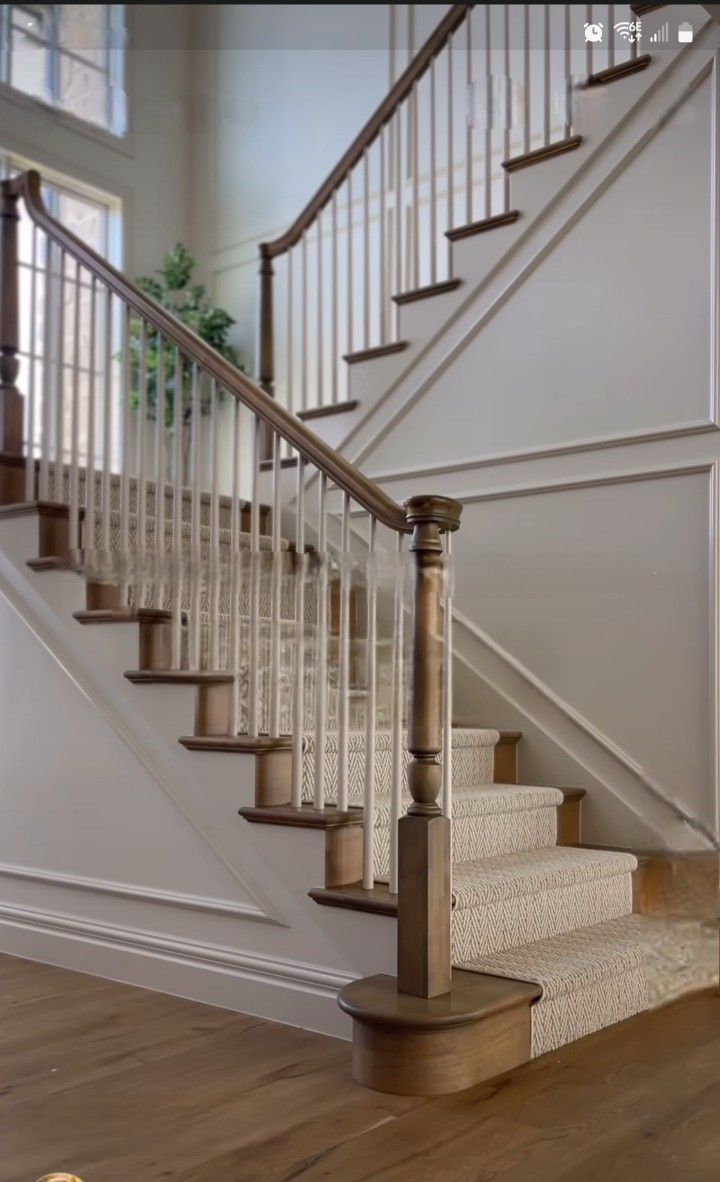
{"x":110,"y":1082}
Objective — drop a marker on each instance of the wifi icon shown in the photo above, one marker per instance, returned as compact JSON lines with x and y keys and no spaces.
{"x":628,"y":30}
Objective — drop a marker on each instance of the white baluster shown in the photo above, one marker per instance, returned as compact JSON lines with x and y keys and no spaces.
{"x":290,"y":333}
{"x":30,"y":453}
{"x":107,"y":427}
{"x":450,"y":204}
{"x":89,"y":526}
{"x":368,"y":876}
{"x":320,"y":324}
{"x":508,"y":106}
{"x":74,"y":520}
{"x":396,"y":720}
{"x":567,"y":81}
{"x":304,"y":321}
{"x":334,"y":349}
{"x":253,"y":671}
{"x":298,"y":726}
{"x":196,"y":436}
{"x":447,"y":681}
{"x":126,"y":386}
{"x":489,"y":114}
{"x":58,"y":478}
{"x":214,"y":549}
{"x":526,"y":78}
{"x":177,"y":621}
{"x":470,"y":115}
{"x":546,"y":74}
{"x":48,"y":353}
{"x":322,"y":648}
{"x":160,"y":412}
{"x":350,"y":280}
{"x":433,"y":179}
{"x":237,"y":565}
{"x":384,"y":308}
{"x":366,"y":249}
{"x":142,"y":466}
{"x":344,"y":654}
{"x":415,"y":190}
{"x":275,"y":594}
{"x":399,"y":214}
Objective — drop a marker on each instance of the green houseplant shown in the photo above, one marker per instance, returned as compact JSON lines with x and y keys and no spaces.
{"x":190,"y":303}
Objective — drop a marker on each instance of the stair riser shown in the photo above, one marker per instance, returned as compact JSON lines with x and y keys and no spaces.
{"x":481,"y":930}
{"x":481,"y":837}
{"x":472,"y":766}
{"x":557,"y":1021}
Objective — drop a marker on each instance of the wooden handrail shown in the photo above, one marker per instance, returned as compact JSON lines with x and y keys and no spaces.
{"x":339,"y":470}
{"x":417,"y":67}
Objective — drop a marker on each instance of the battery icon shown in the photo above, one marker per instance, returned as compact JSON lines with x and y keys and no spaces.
{"x":685,"y":33}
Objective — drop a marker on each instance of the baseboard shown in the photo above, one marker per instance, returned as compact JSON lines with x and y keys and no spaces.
{"x":291,"y":992}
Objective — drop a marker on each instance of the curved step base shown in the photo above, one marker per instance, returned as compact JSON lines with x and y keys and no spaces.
{"x":416,"y":1046}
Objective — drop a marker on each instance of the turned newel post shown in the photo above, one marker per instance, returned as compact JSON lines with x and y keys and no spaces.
{"x":424,"y":858}
{"x":11,"y":403}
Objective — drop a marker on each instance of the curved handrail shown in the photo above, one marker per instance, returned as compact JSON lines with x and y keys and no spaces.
{"x":417,"y":67}
{"x":364,"y":491}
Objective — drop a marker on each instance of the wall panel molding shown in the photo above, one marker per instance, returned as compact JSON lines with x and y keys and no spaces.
{"x":573,"y":731}
{"x":141,"y":894}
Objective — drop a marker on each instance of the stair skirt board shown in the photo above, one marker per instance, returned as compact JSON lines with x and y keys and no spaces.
{"x":590,"y":978}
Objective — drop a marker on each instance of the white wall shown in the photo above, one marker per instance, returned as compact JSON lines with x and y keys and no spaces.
{"x":123,"y":854}
{"x":147,"y":169}
{"x":580,"y":431}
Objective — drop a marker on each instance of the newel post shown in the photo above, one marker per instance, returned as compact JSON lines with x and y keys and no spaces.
{"x":11,"y":402}
{"x":424,"y":857}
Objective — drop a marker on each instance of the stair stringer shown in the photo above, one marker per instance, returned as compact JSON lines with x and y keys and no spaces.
{"x":615,"y":122}
{"x":265,"y":947}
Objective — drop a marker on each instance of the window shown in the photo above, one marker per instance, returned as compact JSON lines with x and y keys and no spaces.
{"x":69,"y":56}
{"x":95,"y":218}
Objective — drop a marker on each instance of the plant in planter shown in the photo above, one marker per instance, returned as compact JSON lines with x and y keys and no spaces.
{"x":190,"y":303}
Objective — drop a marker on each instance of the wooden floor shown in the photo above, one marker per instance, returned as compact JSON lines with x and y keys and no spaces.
{"x":117,"y":1084}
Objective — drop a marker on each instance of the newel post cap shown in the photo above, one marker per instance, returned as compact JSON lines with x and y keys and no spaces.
{"x":430,"y":509}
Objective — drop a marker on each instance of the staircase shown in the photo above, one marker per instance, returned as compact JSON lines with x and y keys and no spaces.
{"x":266,"y":572}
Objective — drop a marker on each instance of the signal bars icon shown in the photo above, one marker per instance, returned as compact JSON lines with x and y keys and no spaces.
{"x":663,"y":34}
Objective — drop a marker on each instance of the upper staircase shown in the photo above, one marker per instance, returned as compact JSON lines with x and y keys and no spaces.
{"x":310,"y":612}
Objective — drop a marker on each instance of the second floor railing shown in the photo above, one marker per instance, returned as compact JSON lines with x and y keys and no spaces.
{"x":490,"y":85}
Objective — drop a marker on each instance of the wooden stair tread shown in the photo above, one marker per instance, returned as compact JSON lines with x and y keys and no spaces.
{"x":613,"y":73}
{"x":376,"y":352}
{"x":243,"y":744}
{"x":178,"y":677}
{"x":472,"y":997}
{"x":424,"y":293}
{"x":306,"y":817}
{"x":485,"y":224}
{"x":27,"y":508}
{"x":547,"y":152}
{"x":334,"y":408}
{"x":52,"y":562}
{"x":124,"y":615}
{"x":354,"y":897}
